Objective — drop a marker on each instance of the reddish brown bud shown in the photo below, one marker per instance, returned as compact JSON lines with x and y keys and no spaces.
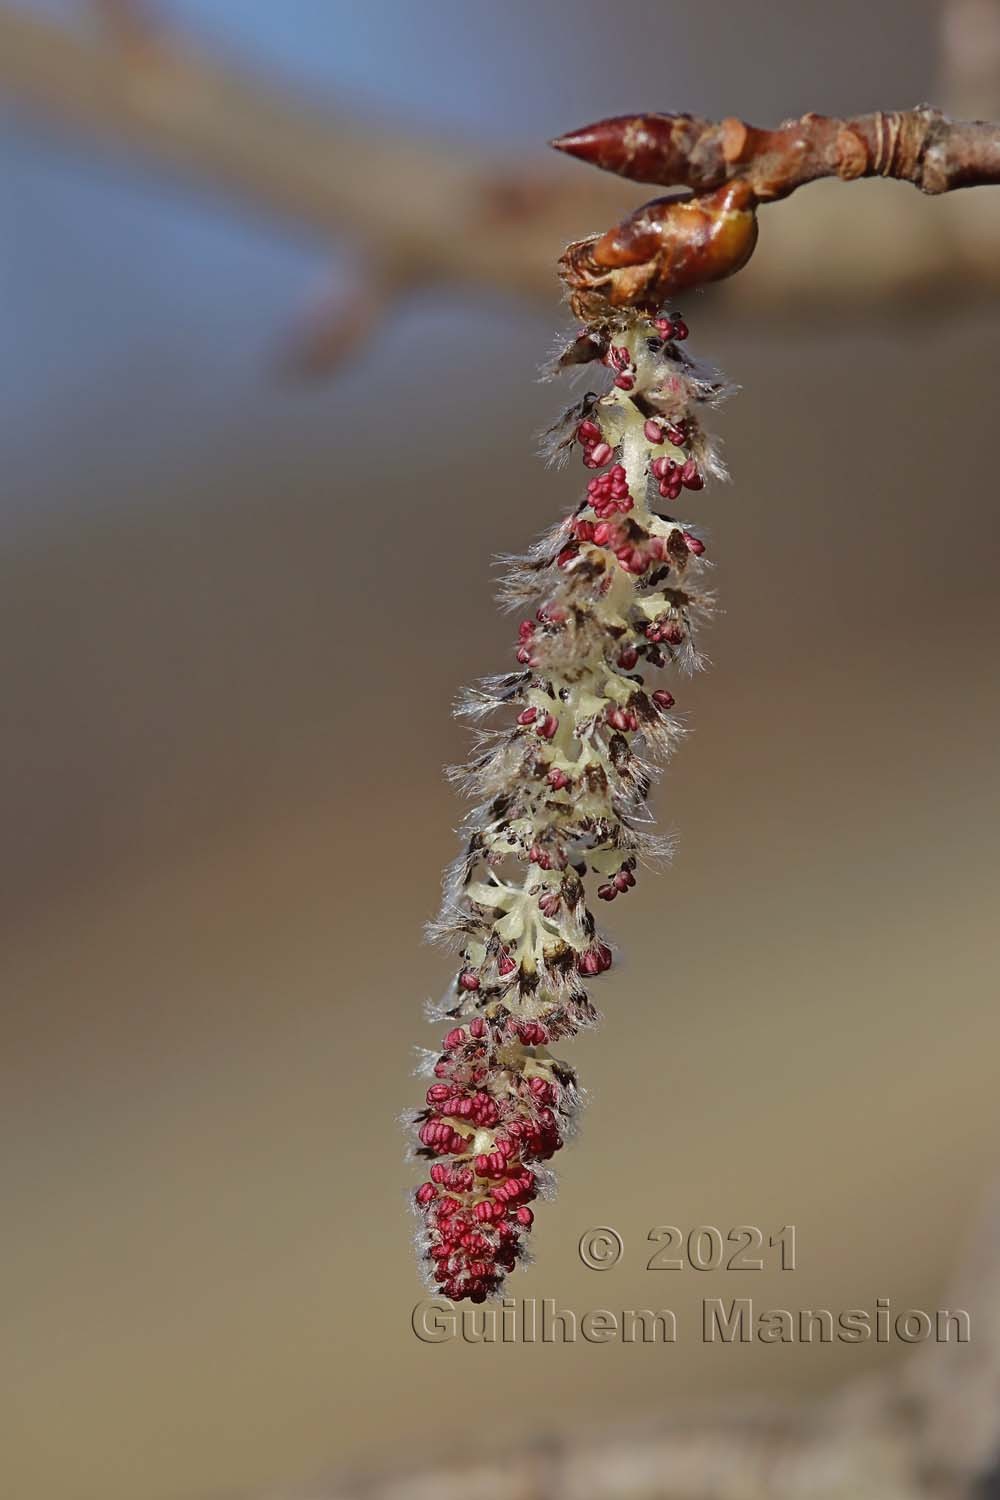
{"x":672,"y":150}
{"x":685,"y":241}
{"x":666,"y":246}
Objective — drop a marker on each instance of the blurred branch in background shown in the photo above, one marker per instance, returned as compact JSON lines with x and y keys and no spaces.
{"x":424,"y":212}
{"x":929,"y":1432}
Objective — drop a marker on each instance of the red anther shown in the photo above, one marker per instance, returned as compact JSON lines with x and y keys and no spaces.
{"x":663,"y":699}
{"x":439,"y":1173}
{"x":694,"y":543}
{"x":566,"y":556}
{"x":624,"y":382}
{"x":652,"y":432}
{"x":589,"y":963}
{"x":438,"y":1092}
{"x":505,"y":964}
{"x":455,"y":1038}
{"x":481,"y":1164}
{"x":664,"y":327}
{"x":549,"y":903}
{"x":547,"y":728}
{"x":606,"y":892}
{"x":605,"y":955}
{"x":616,"y":717}
{"x":672,"y":633}
{"x":676,"y":434}
{"x":527,"y":716}
{"x":625,"y":504}
{"x":526,"y":629}
{"x":425,"y":1193}
{"x":468,"y":980}
{"x":618,"y":357}
{"x":620,"y":881}
{"x":588,"y":432}
{"x":584,"y":530}
{"x":600,"y":454}
{"x":557,"y":779}
{"x":627,"y":658}
{"x":524,"y":1216}
{"x":663,"y":467}
{"x":524,"y":656}
{"x":690,"y":477}
{"x":680,"y":329}
{"x":603,"y":533}
{"x":483,"y":1211}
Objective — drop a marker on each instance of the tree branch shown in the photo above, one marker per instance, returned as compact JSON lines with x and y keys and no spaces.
{"x":441,"y":212}
{"x":431,"y":212}
{"x":921,"y":146}
{"x":677,"y":244}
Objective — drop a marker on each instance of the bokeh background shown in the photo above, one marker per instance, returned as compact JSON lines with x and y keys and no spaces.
{"x":236,"y":609}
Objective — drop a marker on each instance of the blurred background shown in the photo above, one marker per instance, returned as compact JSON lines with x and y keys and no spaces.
{"x":259,"y":452}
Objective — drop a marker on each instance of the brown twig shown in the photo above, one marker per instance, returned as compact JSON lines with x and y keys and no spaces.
{"x":675,"y":244}
{"x":921,"y":146}
{"x":445,"y":212}
{"x":449,"y":215}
